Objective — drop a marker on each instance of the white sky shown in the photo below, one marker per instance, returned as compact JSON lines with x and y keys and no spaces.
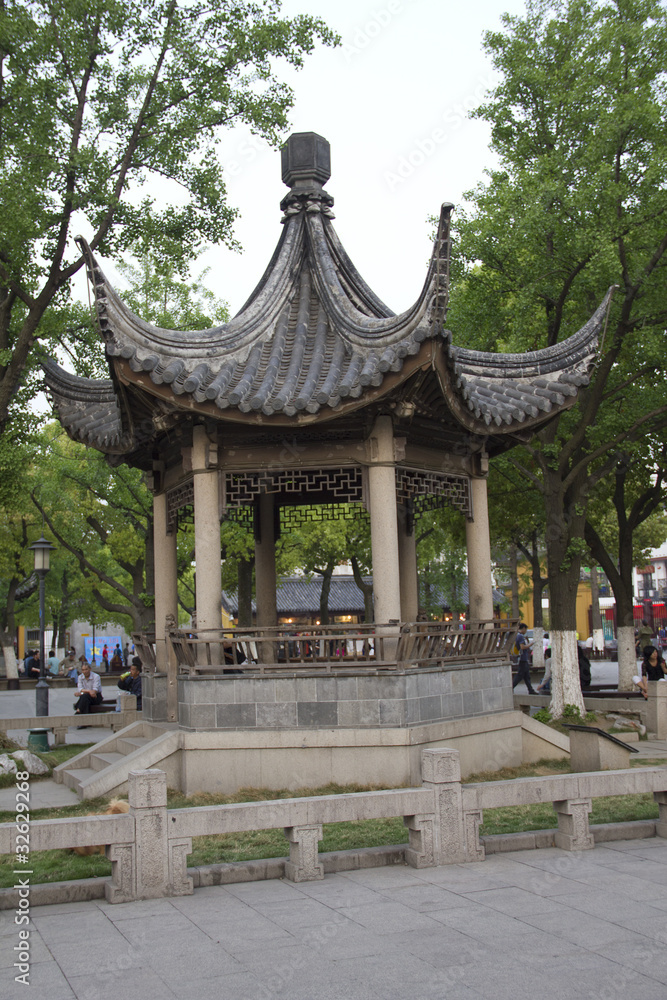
{"x":393,"y":102}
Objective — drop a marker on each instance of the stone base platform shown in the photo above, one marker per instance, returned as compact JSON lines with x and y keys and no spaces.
{"x":223,"y":761}
{"x":226,"y":761}
{"x":319,"y":699}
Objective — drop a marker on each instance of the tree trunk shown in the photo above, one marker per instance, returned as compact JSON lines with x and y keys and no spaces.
{"x":625,"y":634}
{"x":326,"y":575}
{"x":365,"y":588}
{"x":563,"y":530}
{"x":538,"y":584}
{"x":620,"y":579}
{"x":244,"y":576}
{"x":8,"y":631}
{"x":7,"y":646}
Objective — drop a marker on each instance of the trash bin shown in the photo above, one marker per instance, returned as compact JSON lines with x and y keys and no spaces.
{"x":38,"y":740}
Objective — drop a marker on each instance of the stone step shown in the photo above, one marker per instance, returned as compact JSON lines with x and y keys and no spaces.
{"x":98,"y":761}
{"x":74,"y":777}
{"x":128,"y":744}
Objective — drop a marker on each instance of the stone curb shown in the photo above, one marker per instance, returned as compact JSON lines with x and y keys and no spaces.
{"x":603,"y":833}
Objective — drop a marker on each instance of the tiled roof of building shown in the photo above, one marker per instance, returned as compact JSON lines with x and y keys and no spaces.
{"x":300,"y":595}
{"x":311,"y":342}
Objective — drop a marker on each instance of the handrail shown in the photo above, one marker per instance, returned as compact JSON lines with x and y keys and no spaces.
{"x":340,"y":647}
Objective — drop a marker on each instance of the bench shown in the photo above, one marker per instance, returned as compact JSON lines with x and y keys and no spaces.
{"x":106,"y":705}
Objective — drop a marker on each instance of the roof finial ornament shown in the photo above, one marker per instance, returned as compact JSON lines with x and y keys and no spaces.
{"x":306,"y":166}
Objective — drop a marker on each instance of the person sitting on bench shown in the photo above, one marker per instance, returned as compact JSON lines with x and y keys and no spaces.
{"x":89,"y":687}
{"x":131,"y":682}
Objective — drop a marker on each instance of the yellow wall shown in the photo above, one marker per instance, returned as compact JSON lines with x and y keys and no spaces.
{"x":526,"y":602}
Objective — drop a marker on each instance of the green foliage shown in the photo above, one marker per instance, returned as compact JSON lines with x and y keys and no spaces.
{"x":441,"y":560}
{"x":578,"y":204}
{"x":102,"y":521}
{"x":100,"y":100}
{"x":543,"y":715}
{"x":159,"y":297}
{"x":571,"y":714}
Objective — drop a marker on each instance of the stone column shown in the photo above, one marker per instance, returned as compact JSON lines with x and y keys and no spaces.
{"x":208,"y":586}
{"x":479,"y":554}
{"x":265,"y":573}
{"x":166,"y":600}
{"x":384,"y":522}
{"x":407,"y":561}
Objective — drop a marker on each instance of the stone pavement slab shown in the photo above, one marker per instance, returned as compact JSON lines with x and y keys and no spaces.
{"x":44,"y":794}
{"x":485,"y":931}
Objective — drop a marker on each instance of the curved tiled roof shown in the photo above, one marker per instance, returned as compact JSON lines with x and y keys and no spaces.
{"x":312,"y":334}
{"x":510,"y":389}
{"x":311,"y":342}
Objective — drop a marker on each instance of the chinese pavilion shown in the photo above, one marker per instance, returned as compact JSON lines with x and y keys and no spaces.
{"x":314,"y":393}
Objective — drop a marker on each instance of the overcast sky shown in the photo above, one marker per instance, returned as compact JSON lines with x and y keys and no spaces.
{"x":393,"y":103}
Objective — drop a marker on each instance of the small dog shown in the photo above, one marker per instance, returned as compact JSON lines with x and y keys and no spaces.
{"x":115,"y":806}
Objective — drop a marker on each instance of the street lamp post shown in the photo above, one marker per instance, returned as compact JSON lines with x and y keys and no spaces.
{"x":42,"y":550}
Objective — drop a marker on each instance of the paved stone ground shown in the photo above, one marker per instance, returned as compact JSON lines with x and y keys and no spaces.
{"x":21,"y":704}
{"x":534,"y":924}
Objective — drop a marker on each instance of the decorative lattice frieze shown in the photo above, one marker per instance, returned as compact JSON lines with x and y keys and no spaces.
{"x":429,"y":490}
{"x":342,"y":485}
{"x":181,"y":504}
{"x":294,"y":517}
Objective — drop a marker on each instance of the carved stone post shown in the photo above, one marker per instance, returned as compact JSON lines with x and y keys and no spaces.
{"x":656,"y":709}
{"x":154,"y":865}
{"x":573,"y":831}
{"x":303,"y":864}
{"x":441,"y":771}
{"x":661,"y":799}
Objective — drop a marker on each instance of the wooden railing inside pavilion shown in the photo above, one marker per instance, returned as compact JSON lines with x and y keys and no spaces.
{"x":334,"y":648}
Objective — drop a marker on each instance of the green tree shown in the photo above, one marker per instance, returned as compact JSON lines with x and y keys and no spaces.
{"x":104,"y":518}
{"x":161,"y":298}
{"x":441,"y":560}
{"x":578,"y":205}
{"x":517,"y":527}
{"x":625,"y":519}
{"x":98,"y":101}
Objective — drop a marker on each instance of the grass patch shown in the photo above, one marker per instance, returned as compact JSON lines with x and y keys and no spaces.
{"x":610,"y":809}
{"x":52,"y":758}
{"x":538,"y":769}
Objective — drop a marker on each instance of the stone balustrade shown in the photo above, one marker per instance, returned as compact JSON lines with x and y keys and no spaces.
{"x":149,"y":846}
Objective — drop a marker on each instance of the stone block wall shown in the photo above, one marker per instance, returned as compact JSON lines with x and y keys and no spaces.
{"x":401,"y":699}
